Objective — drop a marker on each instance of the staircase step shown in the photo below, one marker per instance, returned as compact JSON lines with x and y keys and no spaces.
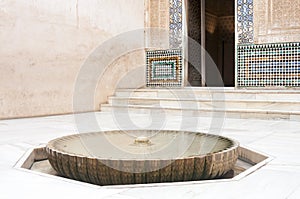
{"x":284,"y":105}
{"x":202,"y":112}
{"x":209,"y":102}
{"x":215,"y":93}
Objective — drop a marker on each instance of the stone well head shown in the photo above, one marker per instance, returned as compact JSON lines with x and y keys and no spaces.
{"x":138,"y":157}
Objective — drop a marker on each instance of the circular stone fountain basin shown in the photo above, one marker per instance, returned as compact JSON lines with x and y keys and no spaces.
{"x":137,"y":157}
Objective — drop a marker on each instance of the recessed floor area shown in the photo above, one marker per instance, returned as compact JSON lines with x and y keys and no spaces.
{"x":278,"y":139}
{"x":248,"y":162}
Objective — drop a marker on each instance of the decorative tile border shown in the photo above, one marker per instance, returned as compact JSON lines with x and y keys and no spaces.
{"x":175,"y":28}
{"x":164,"y":68}
{"x":275,"y":64}
{"x":245,"y":21}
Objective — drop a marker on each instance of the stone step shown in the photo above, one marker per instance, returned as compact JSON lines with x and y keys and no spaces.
{"x":213,"y":93}
{"x":202,"y":103}
{"x":235,"y":103}
{"x":203,"y":112}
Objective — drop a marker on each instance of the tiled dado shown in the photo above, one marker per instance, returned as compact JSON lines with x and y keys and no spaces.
{"x":275,"y":64}
{"x":164,"y":68}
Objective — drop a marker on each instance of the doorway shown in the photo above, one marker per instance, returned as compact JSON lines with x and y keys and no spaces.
{"x":211,"y":23}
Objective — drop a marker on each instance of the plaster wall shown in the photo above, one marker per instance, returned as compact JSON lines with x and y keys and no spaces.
{"x":43,"y":45}
{"x":158,"y":18}
{"x":276,"y":21}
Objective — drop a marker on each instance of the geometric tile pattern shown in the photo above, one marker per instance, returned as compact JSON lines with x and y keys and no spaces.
{"x":164,"y":68}
{"x":245,"y":21}
{"x":175,"y":27}
{"x":276,"y":64}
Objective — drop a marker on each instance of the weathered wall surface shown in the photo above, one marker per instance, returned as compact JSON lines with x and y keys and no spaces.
{"x":157,"y":12}
{"x":44,"y":43}
{"x":276,"y":21}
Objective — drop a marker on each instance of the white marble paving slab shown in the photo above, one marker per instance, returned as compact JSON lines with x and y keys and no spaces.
{"x":278,"y":179}
{"x":294,"y":194}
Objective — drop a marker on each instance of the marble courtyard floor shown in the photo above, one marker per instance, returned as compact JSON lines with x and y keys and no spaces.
{"x":278,"y":139}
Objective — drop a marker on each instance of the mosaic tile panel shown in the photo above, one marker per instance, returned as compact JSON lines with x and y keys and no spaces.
{"x":164,"y":68}
{"x":269,"y":65}
{"x":175,"y":25}
{"x":245,"y":21}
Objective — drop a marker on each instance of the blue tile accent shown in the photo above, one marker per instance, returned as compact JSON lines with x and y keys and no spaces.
{"x":245,"y":21}
{"x":175,"y":28}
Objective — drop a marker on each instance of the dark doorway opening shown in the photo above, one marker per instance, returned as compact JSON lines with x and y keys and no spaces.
{"x":211,"y":23}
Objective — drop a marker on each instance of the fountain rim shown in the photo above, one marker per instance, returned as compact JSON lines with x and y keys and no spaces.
{"x":51,"y":148}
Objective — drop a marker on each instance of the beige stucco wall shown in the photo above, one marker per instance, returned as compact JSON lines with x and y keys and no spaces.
{"x":125,"y":75}
{"x":157,"y":13}
{"x":43,"y":44}
{"x":276,"y":21}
